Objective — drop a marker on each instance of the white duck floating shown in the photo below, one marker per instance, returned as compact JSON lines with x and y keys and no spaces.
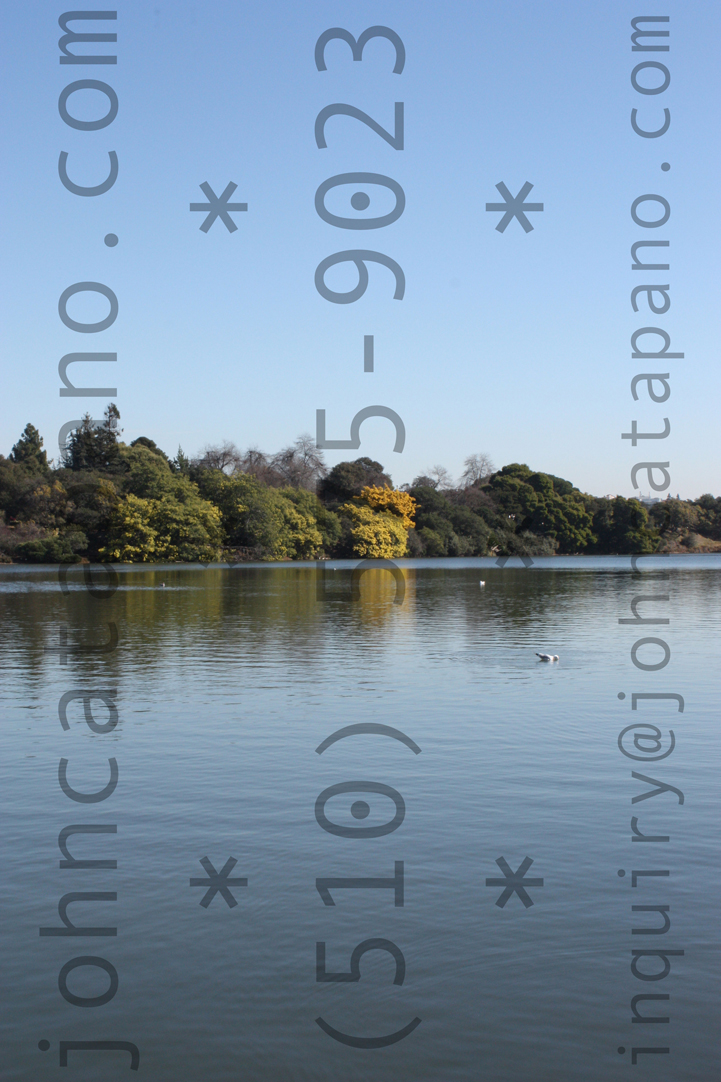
{"x":548,"y":657}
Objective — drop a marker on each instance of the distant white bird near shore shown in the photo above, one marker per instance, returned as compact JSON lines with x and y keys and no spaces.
{"x":482,"y":582}
{"x":548,"y":657}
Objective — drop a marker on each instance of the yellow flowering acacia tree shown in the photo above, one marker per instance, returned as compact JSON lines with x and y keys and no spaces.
{"x":378,"y":521}
{"x":392,"y":501}
{"x":374,"y":536}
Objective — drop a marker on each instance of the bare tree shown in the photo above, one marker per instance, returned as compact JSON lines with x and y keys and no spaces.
{"x":224,"y":456}
{"x":258,"y":464}
{"x":440,"y":478}
{"x":254,"y":461}
{"x":300,"y":465}
{"x":477,"y":468}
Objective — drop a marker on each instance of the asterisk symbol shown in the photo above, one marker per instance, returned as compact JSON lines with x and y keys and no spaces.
{"x":525,"y":560}
{"x":218,"y":882}
{"x":514,"y":882}
{"x":514,"y":207}
{"x":218,"y":207}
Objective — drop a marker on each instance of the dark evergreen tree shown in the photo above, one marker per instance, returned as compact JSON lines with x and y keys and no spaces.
{"x":622,"y":526}
{"x":28,"y":451}
{"x":95,"y":447}
{"x":348,"y":478}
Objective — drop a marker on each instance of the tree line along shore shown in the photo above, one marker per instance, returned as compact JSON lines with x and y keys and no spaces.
{"x":131,"y":503}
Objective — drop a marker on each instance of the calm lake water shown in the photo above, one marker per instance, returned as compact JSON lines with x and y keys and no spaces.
{"x":228,"y":680}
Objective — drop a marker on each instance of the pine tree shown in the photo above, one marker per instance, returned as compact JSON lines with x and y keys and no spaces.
{"x":93,"y":446}
{"x":28,"y":451}
{"x":181,"y":462}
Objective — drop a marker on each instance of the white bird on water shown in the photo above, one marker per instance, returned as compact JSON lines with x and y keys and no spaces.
{"x":482,"y":582}
{"x":548,"y":657}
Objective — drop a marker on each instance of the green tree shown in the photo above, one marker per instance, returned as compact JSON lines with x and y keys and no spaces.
{"x":445,"y":528}
{"x":347,"y":479}
{"x":327,"y":522}
{"x":49,"y":550}
{"x":28,"y":451}
{"x":145,"y":441}
{"x":261,"y":519}
{"x":91,"y":501}
{"x":95,"y":447}
{"x":541,"y":505}
{"x":472,"y":532}
{"x":131,"y":536}
{"x":147,"y":473}
{"x":515,"y":498}
{"x":28,"y":495}
{"x":181,"y":462}
{"x":561,"y":513}
{"x":143,"y":530}
{"x":677,"y":516}
{"x":709,"y":510}
{"x":432,"y":542}
{"x":162,"y":515}
{"x":187,"y":530}
{"x":622,"y":526}
{"x":300,"y":538}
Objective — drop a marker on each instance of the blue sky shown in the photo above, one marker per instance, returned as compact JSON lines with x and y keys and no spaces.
{"x":510,"y":343}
